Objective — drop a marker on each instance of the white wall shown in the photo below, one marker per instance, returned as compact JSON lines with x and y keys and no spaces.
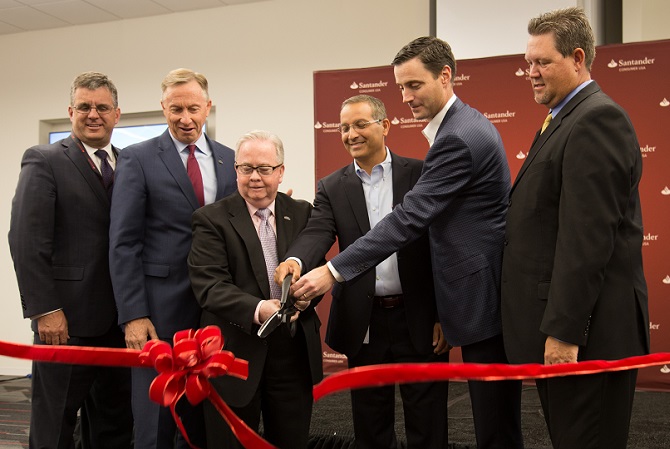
{"x":645,"y":20}
{"x":259,"y":59}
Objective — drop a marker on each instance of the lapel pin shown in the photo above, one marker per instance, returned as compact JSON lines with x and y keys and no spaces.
{"x":220,"y":162}
{"x":286,"y":217}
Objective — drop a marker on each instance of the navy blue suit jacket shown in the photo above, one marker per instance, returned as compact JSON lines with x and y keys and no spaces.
{"x":461,"y":199}
{"x":150,"y":232}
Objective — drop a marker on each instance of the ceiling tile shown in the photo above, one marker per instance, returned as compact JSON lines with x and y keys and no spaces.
{"x":6,"y":28}
{"x":76,"y":12}
{"x":28,"y":19}
{"x":128,"y":9}
{"x":4,"y":4}
{"x":180,"y":5}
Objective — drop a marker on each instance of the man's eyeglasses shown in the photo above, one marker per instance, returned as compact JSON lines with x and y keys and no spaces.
{"x":102,"y":109}
{"x":358,"y":126}
{"x":263,"y":170}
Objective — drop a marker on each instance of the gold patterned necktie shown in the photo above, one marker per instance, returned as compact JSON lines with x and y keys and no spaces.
{"x":546,"y":123}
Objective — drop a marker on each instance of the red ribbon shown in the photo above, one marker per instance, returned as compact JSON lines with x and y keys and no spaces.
{"x":199,"y":355}
{"x":185,"y":369}
{"x":378,"y":375}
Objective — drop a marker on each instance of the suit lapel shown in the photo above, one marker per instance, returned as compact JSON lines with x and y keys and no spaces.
{"x":241,"y":222}
{"x":554,"y":126}
{"x":170,"y":157}
{"x":353,"y":189}
{"x":401,"y":178}
{"x":285,"y":222}
{"x":92,"y":177}
{"x":219,"y":168}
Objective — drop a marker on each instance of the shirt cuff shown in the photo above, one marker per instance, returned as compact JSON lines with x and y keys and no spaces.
{"x":297,"y":260}
{"x":257,"y":313}
{"x":40,"y":315}
{"x":338,"y":277}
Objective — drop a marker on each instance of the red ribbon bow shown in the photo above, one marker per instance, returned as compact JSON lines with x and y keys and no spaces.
{"x":185,"y":369}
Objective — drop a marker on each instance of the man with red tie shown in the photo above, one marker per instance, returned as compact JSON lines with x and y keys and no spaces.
{"x":159,"y":184}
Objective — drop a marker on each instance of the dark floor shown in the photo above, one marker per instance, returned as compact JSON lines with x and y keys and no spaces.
{"x":331,"y":423}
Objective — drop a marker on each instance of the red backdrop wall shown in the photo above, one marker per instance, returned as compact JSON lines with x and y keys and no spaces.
{"x":634,"y":75}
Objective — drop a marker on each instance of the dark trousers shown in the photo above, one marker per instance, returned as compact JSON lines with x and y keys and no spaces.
{"x":496,"y":405}
{"x":154,"y":425}
{"x":588,"y":412}
{"x":284,"y":397}
{"x":424,"y":404}
{"x":59,"y":391}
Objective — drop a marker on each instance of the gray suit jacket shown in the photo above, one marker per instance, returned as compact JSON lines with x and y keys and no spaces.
{"x":461,"y":199}
{"x":572,"y":267}
{"x":58,"y":238}
{"x":150,"y":232}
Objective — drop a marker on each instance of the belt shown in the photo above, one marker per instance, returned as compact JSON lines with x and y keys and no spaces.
{"x":387,"y":302}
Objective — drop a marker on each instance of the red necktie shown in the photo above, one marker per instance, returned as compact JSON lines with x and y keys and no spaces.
{"x":193,"y":170}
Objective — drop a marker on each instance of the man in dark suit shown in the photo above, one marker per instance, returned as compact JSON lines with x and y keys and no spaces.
{"x":572,"y":285}
{"x":59,"y":240}
{"x":461,"y":200}
{"x":159,"y":183}
{"x":389,"y":314}
{"x":231,"y":265}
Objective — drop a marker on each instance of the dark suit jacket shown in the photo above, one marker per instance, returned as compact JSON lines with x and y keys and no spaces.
{"x":229,"y":277}
{"x":150,"y":232}
{"x":59,"y":241}
{"x":573,"y":265}
{"x":340,"y":212}
{"x":461,"y":199}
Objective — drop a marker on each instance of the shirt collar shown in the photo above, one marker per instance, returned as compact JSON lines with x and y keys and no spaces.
{"x":253,"y":209}
{"x":559,"y":106}
{"x":385,"y":165}
{"x":108,"y":148}
{"x":430,"y":131}
{"x":201,"y":143}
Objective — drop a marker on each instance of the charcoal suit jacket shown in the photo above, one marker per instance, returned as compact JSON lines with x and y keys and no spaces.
{"x":229,"y":278}
{"x":572,"y":267}
{"x":59,"y":240}
{"x":340,"y":212}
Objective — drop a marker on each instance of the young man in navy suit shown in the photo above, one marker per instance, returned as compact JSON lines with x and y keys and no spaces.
{"x":461,"y":200}
{"x":155,"y":194}
{"x":59,"y":240}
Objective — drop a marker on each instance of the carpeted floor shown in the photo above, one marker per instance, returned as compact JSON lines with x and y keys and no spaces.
{"x":331,"y":422}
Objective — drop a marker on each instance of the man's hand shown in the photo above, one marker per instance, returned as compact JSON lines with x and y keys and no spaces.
{"x":138,"y":332}
{"x":52,"y":328}
{"x":556,"y":351}
{"x":440,"y":343}
{"x":285,"y":268}
{"x":315,"y":283}
{"x":268,"y":307}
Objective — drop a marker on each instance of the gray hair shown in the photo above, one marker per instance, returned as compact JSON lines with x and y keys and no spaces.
{"x":259,"y":135}
{"x":378,"y":109}
{"x":183,"y":76}
{"x":93,"y":81}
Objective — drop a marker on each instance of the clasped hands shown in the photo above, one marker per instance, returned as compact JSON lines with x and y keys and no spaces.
{"x":305,"y":288}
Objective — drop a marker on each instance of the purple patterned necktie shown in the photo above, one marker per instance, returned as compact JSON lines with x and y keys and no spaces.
{"x":269,"y":243}
{"x":106,"y":171}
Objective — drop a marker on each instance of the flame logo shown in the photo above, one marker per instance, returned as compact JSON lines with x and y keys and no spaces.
{"x":666,"y":280}
{"x":665,"y":191}
{"x":354,"y":85}
{"x":665,"y":103}
{"x":612,"y":64}
{"x":521,"y":155}
{"x":520,"y":72}
{"x":395,"y":121}
{"x":318,"y":125}
{"x":665,"y":369}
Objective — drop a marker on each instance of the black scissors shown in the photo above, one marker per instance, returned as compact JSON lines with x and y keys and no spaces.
{"x":285,"y":312}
